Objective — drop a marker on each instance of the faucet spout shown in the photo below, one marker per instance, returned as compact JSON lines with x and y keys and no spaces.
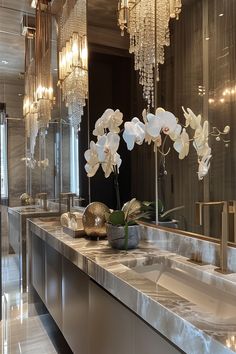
{"x":224,"y":234}
{"x":69,"y":199}
{"x":43,"y":197}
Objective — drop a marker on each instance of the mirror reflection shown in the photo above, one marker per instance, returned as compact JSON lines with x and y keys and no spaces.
{"x":198,"y":73}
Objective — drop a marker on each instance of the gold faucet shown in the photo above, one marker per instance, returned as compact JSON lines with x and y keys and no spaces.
{"x":224,"y":234}
{"x":43,"y":197}
{"x":70,"y":199}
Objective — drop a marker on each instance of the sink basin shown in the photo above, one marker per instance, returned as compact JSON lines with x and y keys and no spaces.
{"x":219,"y":306}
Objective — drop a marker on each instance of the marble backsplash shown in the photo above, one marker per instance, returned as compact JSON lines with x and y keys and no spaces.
{"x":187,"y":246}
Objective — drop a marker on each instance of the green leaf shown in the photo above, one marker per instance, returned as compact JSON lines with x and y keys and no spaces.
{"x":117,"y":218}
{"x":131,"y":223}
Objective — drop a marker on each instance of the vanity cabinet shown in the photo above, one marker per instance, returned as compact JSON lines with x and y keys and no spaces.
{"x":38,"y":266}
{"x":75,"y":303}
{"x":14,"y":227}
{"x":113,"y":328}
{"x":53,"y":288}
{"x":63,"y":288}
{"x":91,"y":320}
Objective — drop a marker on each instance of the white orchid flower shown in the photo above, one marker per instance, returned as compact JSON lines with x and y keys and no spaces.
{"x":107,"y":146}
{"x":204,"y":164}
{"x":91,"y":156}
{"x":110,"y":120}
{"x":153,"y":125}
{"x":110,"y":162}
{"x":181,"y":145}
{"x":191,"y":119}
{"x":169,"y":122}
{"x":201,"y":139}
{"x":134,"y":133}
{"x":163,"y":121}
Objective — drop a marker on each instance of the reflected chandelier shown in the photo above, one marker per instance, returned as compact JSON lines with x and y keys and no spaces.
{"x":30,"y":111}
{"x":147,"y":22}
{"x":44,"y":86}
{"x":73,"y":58}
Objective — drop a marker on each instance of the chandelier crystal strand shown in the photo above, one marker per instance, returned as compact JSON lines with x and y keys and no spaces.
{"x":44,"y":91}
{"x":30,"y":104}
{"x":138,"y":17}
{"x":73,"y":57}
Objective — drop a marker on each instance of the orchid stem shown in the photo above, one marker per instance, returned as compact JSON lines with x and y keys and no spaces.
{"x":117,"y":189}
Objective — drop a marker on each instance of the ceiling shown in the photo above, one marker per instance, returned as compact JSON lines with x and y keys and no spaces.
{"x":102,"y":14}
{"x":12,"y":44}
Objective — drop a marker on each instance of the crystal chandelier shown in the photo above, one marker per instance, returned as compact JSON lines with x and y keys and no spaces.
{"x":73,"y":58}
{"x":44,"y":87}
{"x":147,"y":22}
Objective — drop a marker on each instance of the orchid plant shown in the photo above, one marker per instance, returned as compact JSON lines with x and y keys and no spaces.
{"x":157,"y":127}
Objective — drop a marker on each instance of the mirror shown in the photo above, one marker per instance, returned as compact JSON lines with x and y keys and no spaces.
{"x":199,"y":73}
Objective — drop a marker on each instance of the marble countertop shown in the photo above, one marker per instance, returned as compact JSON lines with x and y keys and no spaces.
{"x":31,"y":210}
{"x":193,"y":329}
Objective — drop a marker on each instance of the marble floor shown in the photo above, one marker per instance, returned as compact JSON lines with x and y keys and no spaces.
{"x":22,"y":330}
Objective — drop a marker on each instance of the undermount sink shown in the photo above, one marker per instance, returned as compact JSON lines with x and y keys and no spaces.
{"x":219,"y":306}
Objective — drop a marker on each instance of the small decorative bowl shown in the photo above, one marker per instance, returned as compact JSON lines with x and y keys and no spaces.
{"x":94,"y":220}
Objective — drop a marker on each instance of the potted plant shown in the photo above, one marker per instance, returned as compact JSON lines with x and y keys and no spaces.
{"x":122,"y":229}
{"x":149,"y":208}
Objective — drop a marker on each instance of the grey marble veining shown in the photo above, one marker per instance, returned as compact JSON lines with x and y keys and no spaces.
{"x":186,"y":245}
{"x":186,"y":324}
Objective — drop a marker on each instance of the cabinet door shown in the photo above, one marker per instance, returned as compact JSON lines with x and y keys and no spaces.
{"x":148,"y":341}
{"x":14,"y":231}
{"x":114,"y":329}
{"x":75,"y":296}
{"x":53,"y":274}
{"x":111,"y":325}
{"x":38,"y":266}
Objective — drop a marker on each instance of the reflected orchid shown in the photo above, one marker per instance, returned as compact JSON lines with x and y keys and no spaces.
{"x":204,"y":164}
{"x":181,"y":145}
{"x":191,"y":119}
{"x":201,"y":139}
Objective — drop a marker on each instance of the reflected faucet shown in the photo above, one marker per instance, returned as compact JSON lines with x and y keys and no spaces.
{"x":43,"y":197}
{"x":224,"y":231}
{"x":70,"y":199}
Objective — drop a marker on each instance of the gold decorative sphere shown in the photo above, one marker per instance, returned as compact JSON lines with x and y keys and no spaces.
{"x":94,"y":220}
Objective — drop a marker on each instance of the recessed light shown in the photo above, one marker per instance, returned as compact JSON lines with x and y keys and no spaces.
{"x":220,"y":15}
{"x":55,"y":69}
{"x":20,"y":94}
{"x":207,"y":38}
{"x":5,"y":62}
